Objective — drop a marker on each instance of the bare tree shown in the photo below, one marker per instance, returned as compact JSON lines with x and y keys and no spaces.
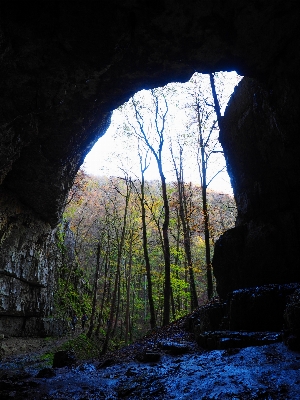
{"x":160,"y":106}
{"x":120,"y":236}
{"x":183,"y":213}
{"x":141,"y":194}
{"x":208,"y":146}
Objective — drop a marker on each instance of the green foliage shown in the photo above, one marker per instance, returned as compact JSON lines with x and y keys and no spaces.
{"x":72,"y":293}
{"x":97,"y":217}
{"x":47,"y":359}
{"x":83,"y":347}
{"x":60,"y":237}
{"x":100,"y":212}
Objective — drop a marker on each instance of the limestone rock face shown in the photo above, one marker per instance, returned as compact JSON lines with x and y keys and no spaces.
{"x":29,"y":258}
{"x":66,"y":65}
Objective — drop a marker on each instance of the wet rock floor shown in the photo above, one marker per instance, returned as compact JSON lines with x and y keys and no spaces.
{"x":263,"y":372}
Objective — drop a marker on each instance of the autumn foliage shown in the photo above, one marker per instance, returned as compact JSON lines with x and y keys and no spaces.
{"x":109,"y":279}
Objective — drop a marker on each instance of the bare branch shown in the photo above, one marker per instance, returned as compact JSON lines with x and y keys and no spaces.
{"x":222,"y":169}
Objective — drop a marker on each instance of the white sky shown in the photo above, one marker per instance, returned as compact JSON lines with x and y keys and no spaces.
{"x":114,"y":150}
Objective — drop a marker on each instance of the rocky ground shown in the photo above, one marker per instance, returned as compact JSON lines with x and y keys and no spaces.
{"x":165,"y":365}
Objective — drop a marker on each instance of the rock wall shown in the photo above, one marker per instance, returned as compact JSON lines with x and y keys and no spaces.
{"x":30,"y":255}
{"x":27,"y":259}
{"x":260,"y":137}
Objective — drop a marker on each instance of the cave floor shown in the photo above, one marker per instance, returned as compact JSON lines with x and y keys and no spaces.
{"x":263,"y":372}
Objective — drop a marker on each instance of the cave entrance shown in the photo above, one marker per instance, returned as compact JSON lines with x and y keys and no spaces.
{"x":118,"y":150}
{"x":156,"y":130}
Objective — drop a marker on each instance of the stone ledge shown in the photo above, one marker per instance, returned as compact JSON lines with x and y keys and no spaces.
{"x":221,"y":340}
{"x":15,"y":276}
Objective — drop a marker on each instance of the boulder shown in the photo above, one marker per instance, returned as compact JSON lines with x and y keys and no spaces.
{"x":292,"y":321}
{"x":64,"y":358}
{"x":259,"y":308}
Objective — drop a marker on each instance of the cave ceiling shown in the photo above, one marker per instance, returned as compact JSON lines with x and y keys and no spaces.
{"x":66,"y":65}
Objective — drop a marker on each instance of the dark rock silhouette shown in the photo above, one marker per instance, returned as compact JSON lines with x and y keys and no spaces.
{"x":65,"y":66}
{"x":64,"y":358}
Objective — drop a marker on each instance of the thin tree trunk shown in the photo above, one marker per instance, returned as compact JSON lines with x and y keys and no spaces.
{"x":116,"y":285}
{"x":207,"y":244}
{"x":165,"y":229}
{"x":111,"y":316}
{"x":146,"y":255}
{"x":113,"y":332}
{"x":185,"y":304}
{"x":132,"y":316}
{"x":160,"y":117}
{"x":128,"y":283}
{"x":176,"y":261}
{"x":90,"y":331}
{"x":186,"y":229}
{"x":100,"y":317}
{"x":205,"y":211}
{"x":188,"y":252}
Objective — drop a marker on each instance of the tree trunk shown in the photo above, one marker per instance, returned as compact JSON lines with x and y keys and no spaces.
{"x":183,"y":213}
{"x":167,"y":259}
{"x":187,"y":245}
{"x":117,"y":277}
{"x":113,"y":332}
{"x":90,"y":331}
{"x":205,"y":210}
{"x":207,"y":244}
{"x":111,"y":316}
{"x":146,"y":256}
{"x":128,"y":283}
{"x":100,"y":317}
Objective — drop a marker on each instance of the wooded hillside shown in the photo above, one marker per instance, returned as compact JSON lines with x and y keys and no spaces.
{"x":118,"y":257}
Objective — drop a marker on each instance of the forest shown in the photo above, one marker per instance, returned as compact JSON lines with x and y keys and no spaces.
{"x":143,"y":248}
{"x":108,"y":279}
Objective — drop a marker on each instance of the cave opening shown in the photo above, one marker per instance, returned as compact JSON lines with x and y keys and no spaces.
{"x":181,"y":117}
{"x":117,"y":149}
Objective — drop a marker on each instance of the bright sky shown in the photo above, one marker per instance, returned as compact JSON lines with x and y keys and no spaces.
{"x":115,"y":151}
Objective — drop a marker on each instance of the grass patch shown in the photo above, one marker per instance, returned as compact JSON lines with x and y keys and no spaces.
{"x":47,"y":359}
{"x":48,"y":339}
{"x":83,"y":347}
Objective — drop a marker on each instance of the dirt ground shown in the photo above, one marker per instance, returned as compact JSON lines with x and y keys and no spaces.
{"x":18,"y":346}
